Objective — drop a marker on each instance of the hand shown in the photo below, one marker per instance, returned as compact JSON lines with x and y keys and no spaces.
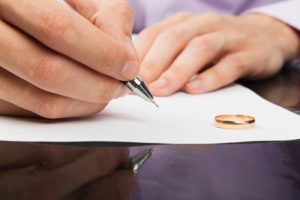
{"x":51,"y":172}
{"x":57,"y":63}
{"x":200,"y":54}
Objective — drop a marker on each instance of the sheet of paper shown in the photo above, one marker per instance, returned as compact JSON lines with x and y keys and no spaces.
{"x":181,"y":118}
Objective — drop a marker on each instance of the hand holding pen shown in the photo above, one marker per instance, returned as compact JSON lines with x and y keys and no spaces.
{"x":67,"y":65}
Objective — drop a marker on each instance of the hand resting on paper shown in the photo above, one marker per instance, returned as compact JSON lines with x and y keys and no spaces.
{"x":202,"y":53}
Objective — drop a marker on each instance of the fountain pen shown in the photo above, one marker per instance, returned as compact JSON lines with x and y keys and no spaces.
{"x":138,"y":87}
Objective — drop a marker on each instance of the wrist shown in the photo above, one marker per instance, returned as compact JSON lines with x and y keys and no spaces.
{"x":286,"y":38}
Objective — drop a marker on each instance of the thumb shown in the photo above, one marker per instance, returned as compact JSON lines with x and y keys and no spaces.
{"x":114,"y":17}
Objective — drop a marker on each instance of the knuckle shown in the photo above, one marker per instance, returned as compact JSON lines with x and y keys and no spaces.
{"x":205,"y":44}
{"x":213,"y":17}
{"x":217,"y":76}
{"x":50,"y":108}
{"x":239,"y":64}
{"x":170,"y":36}
{"x":176,"y":72}
{"x":206,"y":41}
{"x":53,"y":26}
{"x":202,"y":42}
{"x":96,"y":19}
{"x":181,"y":16}
{"x":46,"y":72}
{"x":125,"y":11}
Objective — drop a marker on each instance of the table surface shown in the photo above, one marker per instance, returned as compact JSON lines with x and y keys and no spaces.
{"x":226,"y":171}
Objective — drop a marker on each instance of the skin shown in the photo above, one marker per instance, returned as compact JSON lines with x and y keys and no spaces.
{"x":202,"y":53}
{"x":58,"y":62}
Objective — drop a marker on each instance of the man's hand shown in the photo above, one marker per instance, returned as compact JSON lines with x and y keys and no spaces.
{"x":56,"y":62}
{"x":201,"y":53}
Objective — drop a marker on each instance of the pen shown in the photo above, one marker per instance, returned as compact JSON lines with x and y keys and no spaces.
{"x":138,"y":87}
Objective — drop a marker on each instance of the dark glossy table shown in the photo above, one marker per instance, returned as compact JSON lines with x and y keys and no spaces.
{"x":174,"y":172}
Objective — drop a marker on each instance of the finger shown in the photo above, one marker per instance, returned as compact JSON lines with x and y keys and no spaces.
{"x":67,"y":32}
{"x":171,"y":42}
{"x":199,"y":53}
{"x":51,"y":71}
{"x":147,"y":37}
{"x":45,"y":104}
{"x":12,"y":110}
{"x":114,"y":17}
{"x":228,"y":70}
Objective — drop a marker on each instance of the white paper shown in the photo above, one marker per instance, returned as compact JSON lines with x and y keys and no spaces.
{"x":181,"y":118}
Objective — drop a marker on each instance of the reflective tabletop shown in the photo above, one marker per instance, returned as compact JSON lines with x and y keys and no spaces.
{"x":173,"y":172}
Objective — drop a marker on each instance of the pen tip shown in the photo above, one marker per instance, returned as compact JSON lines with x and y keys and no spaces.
{"x":155,"y":103}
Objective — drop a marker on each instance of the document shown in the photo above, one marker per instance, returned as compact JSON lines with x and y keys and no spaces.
{"x":181,"y":119}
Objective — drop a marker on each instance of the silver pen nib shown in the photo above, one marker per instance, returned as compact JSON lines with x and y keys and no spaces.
{"x":152,"y":101}
{"x":138,"y":87}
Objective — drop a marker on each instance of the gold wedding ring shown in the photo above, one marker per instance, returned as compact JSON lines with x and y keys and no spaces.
{"x":234,"y":121}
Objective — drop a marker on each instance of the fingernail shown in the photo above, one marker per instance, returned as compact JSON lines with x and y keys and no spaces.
{"x":130,"y":70}
{"x":160,"y":83}
{"x":196,"y":84}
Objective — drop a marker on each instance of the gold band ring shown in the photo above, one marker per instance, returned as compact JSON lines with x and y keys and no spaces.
{"x":234,"y":121}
